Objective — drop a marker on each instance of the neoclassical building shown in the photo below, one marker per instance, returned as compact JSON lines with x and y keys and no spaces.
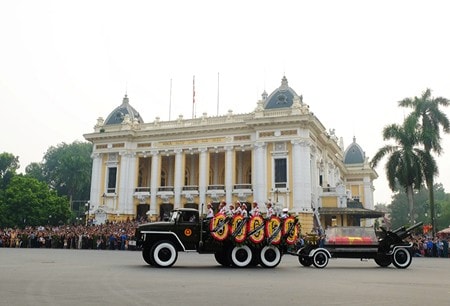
{"x":280,"y":152}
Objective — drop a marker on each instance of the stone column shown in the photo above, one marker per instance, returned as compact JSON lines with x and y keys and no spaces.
{"x":178,"y":179}
{"x":96,"y":188}
{"x":301,"y":167}
{"x":259,"y":174}
{"x":229,"y":162}
{"x":203,"y":174}
{"x":127,"y":181}
{"x":154,"y":181}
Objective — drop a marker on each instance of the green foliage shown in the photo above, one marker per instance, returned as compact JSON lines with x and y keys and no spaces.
{"x":8,"y":166}
{"x":26,"y":201}
{"x":400,"y":208}
{"x":35,"y":170}
{"x":67,"y":169}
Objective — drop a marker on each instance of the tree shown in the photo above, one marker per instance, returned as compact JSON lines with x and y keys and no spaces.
{"x":429,"y":119}
{"x":8,"y":166}
{"x":405,"y":162}
{"x":399,"y":206}
{"x":67,"y":169}
{"x":26,"y":201}
{"x":35,"y":170}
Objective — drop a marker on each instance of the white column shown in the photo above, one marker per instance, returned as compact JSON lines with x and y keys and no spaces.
{"x":126,"y":182}
{"x":368,"y":198}
{"x":154,"y":181}
{"x":178,"y":179}
{"x":259,"y":174}
{"x":203,"y":171}
{"x":301,"y":166}
{"x":229,"y":174}
{"x":314,"y":178}
{"x":96,"y":188}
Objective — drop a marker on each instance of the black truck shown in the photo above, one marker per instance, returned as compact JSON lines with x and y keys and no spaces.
{"x":235,"y":241}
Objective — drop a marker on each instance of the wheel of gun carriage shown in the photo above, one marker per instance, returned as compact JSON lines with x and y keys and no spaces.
{"x":305,"y":261}
{"x":241,"y":256}
{"x":320,"y":259}
{"x":401,"y":258}
{"x":164,"y":254}
{"x":270,"y":256}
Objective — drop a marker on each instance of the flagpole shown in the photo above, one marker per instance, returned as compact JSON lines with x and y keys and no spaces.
{"x":218,"y":84}
{"x":193,"y":96}
{"x":170,"y":98}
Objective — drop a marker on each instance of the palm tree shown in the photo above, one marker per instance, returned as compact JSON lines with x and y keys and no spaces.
{"x":429,"y":119}
{"x":405,"y":160}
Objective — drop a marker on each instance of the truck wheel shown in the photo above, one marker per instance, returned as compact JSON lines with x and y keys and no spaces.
{"x":164,"y":254}
{"x":222,"y":259}
{"x":401,"y":258}
{"x":241,"y":256}
{"x":305,"y":261}
{"x":148,"y":256}
{"x":320,"y":259}
{"x":383,"y":260}
{"x":270,"y":256}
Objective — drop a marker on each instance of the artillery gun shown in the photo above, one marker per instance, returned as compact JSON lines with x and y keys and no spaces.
{"x":360,"y":242}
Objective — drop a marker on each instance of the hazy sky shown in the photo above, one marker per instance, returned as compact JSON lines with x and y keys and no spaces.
{"x":63,"y":64}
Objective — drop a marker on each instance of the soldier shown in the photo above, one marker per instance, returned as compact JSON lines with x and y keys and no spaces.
{"x":238,"y":209}
{"x":210,"y":212}
{"x":255,"y":210}
{"x":285,"y":213}
{"x":244,"y":210}
{"x":270,"y":211}
{"x":223,"y":207}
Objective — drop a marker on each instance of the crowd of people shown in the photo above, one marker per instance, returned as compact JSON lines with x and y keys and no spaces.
{"x":425,"y":246}
{"x":111,"y":236}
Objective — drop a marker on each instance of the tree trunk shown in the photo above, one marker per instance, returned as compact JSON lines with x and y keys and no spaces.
{"x":410,"y":193}
{"x":432,"y":208}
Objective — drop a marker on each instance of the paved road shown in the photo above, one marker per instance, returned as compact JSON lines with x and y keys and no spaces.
{"x":88,"y":277}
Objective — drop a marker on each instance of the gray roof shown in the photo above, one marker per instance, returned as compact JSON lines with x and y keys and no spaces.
{"x":118,"y":114}
{"x":354,"y":154}
{"x":281,"y":97}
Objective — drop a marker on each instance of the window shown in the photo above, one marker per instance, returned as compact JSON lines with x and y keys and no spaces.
{"x":280,"y":172}
{"x":112,"y":179}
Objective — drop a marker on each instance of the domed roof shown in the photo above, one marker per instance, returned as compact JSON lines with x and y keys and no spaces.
{"x":281,"y":97}
{"x":118,"y":114}
{"x":354,"y":154}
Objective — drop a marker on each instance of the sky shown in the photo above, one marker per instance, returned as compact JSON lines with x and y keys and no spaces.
{"x":63,"y":64}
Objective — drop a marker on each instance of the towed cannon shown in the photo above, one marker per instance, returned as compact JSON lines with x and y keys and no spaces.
{"x":234,"y":240}
{"x":359,"y":242}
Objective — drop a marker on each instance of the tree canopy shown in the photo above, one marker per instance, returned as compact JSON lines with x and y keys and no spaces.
{"x":27,"y":201}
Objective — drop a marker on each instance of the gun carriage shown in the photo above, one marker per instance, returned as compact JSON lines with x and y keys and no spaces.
{"x":390,"y":247}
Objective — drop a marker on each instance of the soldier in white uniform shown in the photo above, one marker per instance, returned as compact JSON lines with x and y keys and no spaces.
{"x":270,"y":211}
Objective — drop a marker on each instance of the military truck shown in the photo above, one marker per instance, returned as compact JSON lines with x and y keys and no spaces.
{"x":235,"y":241}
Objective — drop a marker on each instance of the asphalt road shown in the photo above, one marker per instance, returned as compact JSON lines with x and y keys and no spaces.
{"x":89,"y":277}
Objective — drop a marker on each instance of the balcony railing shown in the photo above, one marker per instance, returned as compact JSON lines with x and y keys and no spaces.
{"x":142,"y":189}
{"x":166,"y":188}
{"x":190,"y":188}
{"x":242,"y":186}
{"x":216,"y":187}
